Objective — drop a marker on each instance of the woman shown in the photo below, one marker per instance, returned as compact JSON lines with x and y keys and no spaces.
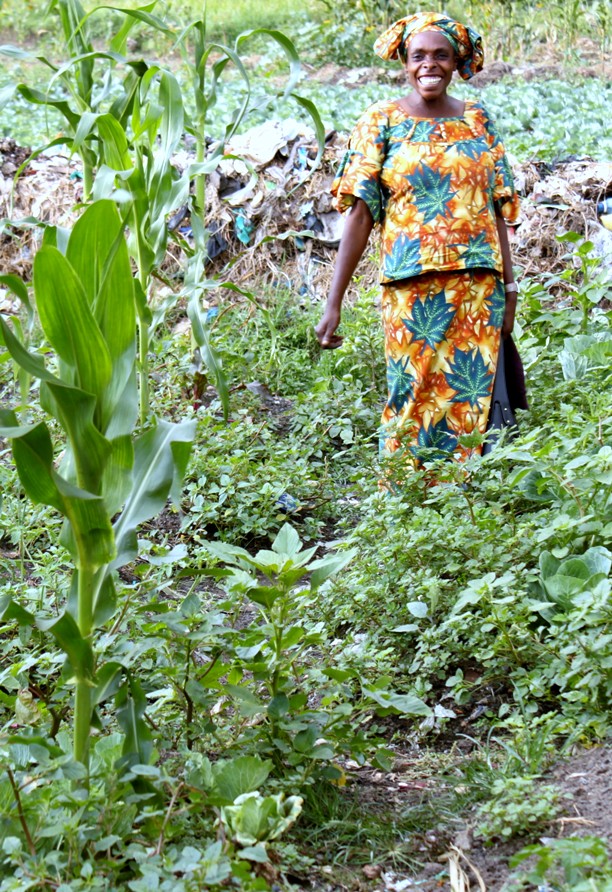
{"x":432,"y":171}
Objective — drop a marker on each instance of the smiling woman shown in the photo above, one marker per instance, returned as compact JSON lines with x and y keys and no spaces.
{"x":432,"y":172}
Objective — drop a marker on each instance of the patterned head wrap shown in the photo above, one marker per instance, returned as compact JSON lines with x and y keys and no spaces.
{"x":393,"y":44}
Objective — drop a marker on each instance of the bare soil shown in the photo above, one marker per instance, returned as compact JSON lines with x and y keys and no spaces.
{"x":585,"y":776}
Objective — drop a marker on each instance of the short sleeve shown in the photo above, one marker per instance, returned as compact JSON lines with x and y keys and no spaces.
{"x":358,"y":175}
{"x":505,"y":196}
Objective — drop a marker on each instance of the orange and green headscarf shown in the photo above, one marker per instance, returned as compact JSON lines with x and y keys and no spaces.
{"x":393,"y":44}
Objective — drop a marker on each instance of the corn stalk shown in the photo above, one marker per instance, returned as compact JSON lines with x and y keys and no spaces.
{"x":109,"y":480}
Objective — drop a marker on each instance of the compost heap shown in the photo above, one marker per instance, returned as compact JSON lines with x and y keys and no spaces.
{"x":270,"y":216}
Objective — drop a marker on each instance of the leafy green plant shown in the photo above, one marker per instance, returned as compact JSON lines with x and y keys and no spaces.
{"x":254,"y":819}
{"x":569,"y":865}
{"x":109,"y":482}
{"x":138,"y":174}
{"x":274,"y":650}
{"x":589,"y":282}
{"x":517,"y":807}
{"x":206,"y":64}
{"x":78,"y":101}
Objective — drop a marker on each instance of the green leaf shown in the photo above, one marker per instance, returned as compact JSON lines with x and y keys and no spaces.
{"x":89,"y":450}
{"x":229,"y":554}
{"x":417,"y":608}
{"x":237,"y":776}
{"x":209,"y":354}
{"x":257,"y":853}
{"x":248,"y":703}
{"x":326,"y":567}
{"x":68,"y":321}
{"x":17,"y":286}
{"x":14,"y":52}
{"x":33,"y":454}
{"x":266,"y":595}
{"x":107,"y":680}
{"x":304,"y":740}
{"x":160,"y":458}
{"x":286,"y":45}
{"x":98,"y":254}
{"x":287,"y":541}
{"x":339,"y":674}
{"x":405,"y":704}
{"x":254,"y":818}
{"x":106,"y":600}
{"x":77,"y":649}
{"x":12,"y":612}
{"x":172,"y":122}
{"x":139,"y":14}
{"x":32,"y":363}
{"x":86,"y":126}
{"x":319,"y":126}
{"x":89,"y":524}
{"x":117,"y":478}
{"x":278,"y":706}
{"x":131,"y":704}
{"x":37,"y":97}
{"x":114,"y":143}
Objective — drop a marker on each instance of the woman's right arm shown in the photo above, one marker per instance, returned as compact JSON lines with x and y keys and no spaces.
{"x":359,"y":223}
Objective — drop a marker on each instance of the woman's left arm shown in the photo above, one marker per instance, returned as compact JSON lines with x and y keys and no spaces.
{"x":508,"y":323}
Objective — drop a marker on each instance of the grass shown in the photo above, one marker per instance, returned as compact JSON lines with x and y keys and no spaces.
{"x":225,"y":19}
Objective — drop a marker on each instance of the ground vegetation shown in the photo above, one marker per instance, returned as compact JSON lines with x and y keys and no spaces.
{"x":228,"y":659}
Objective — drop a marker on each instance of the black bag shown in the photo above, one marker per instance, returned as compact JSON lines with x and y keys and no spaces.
{"x":501,"y":413}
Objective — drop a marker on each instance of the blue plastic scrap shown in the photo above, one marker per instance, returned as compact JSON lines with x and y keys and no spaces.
{"x":286,"y":504}
{"x":243,"y":228}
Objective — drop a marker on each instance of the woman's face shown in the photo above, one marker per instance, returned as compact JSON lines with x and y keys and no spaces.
{"x":430,"y":64}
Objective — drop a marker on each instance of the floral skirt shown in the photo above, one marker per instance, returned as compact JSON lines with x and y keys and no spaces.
{"x":442,"y":333}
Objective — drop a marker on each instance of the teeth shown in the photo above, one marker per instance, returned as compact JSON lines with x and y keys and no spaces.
{"x":430,"y":80}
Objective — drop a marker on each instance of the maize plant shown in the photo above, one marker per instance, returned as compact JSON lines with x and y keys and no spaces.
{"x":109,"y":480}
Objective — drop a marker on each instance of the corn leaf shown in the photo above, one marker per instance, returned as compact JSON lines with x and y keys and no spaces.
{"x":68,"y":322}
{"x":160,"y":458}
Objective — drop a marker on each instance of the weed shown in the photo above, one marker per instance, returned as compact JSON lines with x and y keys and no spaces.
{"x":517,"y":807}
{"x":568,"y":865}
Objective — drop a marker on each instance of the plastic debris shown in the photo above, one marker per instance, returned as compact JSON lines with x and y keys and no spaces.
{"x":244,"y":228}
{"x":260,"y":144}
{"x":216,"y":243}
{"x":286,"y":504}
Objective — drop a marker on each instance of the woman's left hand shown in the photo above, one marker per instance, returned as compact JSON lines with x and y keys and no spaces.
{"x":508,"y":323}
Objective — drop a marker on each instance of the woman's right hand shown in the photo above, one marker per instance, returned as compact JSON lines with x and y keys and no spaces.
{"x":357,"y":229}
{"x":326,"y":330}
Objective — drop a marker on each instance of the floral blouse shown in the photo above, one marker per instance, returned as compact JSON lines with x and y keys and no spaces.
{"x":433,"y":184}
